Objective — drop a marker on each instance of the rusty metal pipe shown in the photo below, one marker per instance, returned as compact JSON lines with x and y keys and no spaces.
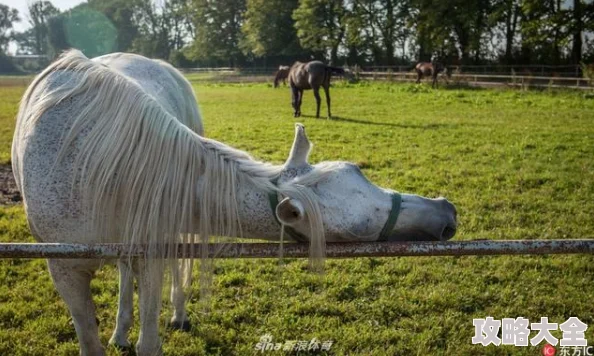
{"x":299,"y":250}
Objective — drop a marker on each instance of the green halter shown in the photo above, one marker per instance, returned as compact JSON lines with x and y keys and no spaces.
{"x":388,"y":226}
{"x":392,"y":218}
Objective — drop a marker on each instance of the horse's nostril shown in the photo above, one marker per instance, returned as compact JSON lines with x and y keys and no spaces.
{"x":448,"y":233}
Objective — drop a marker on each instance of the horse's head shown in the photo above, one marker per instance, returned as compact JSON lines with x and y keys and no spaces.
{"x":277,"y":78}
{"x":354,"y":209}
{"x":281,"y":74}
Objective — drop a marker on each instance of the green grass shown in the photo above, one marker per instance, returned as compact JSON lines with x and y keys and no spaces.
{"x":518,"y":165}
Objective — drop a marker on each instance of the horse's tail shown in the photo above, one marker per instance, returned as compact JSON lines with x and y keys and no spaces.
{"x":335,"y":70}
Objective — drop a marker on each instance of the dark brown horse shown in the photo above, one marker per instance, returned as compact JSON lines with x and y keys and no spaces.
{"x":281,"y":74}
{"x":431,"y":69}
{"x":311,"y":75}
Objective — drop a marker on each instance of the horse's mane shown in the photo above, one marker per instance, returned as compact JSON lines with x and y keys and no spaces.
{"x":146,"y":176}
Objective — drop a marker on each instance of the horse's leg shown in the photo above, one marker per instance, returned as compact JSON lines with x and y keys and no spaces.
{"x":419,"y":76}
{"x":300,"y":100}
{"x":179,"y":320}
{"x":295,"y":100}
{"x":316,"y":91}
{"x":327,"y":93}
{"x":125,"y":307}
{"x":73,"y":282}
{"x":150,"y":285}
{"x":434,"y":81}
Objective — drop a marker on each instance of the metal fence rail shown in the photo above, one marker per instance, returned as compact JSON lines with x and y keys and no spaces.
{"x":295,"y":250}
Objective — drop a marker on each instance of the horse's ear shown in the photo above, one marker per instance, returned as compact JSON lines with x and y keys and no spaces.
{"x":289,"y":211}
{"x":300,"y":150}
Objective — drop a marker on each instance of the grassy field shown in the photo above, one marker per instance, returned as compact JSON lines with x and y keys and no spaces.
{"x":518,"y":165}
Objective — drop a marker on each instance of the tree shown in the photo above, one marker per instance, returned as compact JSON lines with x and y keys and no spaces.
{"x":269,"y":29}
{"x":582,"y":20}
{"x":178,"y":16}
{"x":359,"y":41}
{"x":434,"y":33}
{"x":152,"y":39}
{"x":39,"y":14}
{"x":83,"y":28}
{"x":218,"y":31}
{"x":440,"y":25}
{"x":56,"y":35}
{"x":321,"y":25}
{"x":8,"y":17}
{"x":120,"y":13}
{"x":387,"y":21}
{"x":544,"y":31}
{"x":162,"y":29}
{"x":506,"y":14}
{"x":25,"y":42}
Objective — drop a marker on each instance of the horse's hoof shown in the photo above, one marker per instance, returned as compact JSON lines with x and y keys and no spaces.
{"x":124,"y":349}
{"x":183,"y":326}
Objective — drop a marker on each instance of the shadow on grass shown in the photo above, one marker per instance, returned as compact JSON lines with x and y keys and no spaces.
{"x":462,"y":86}
{"x":430,"y":126}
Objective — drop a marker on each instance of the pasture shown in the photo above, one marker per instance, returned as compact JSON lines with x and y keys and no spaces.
{"x":518,"y":165}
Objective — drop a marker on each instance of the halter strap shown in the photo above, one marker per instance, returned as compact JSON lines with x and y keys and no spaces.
{"x":299,"y":237}
{"x":392,"y":218}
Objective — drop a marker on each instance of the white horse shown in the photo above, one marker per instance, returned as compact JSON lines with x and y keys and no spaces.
{"x":108,"y":150}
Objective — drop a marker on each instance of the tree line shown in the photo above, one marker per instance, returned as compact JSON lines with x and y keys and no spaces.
{"x":271,"y":32}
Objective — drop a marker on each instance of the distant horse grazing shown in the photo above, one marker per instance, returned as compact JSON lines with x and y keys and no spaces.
{"x":311,"y":75}
{"x":431,"y":69}
{"x":281,"y":74}
{"x":109,"y":150}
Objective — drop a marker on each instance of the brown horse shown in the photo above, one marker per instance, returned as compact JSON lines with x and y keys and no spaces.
{"x":431,"y":69}
{"x":311,"y":75}
{"x":281,"y":74}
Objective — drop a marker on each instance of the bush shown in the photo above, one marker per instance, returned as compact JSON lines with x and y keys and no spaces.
{"x":6,"y":65}
{"x":588,"y":72}
{"x":178,"y":59}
